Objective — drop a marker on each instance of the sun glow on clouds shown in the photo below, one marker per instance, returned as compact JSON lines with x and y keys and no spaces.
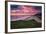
{"x":21,"y":12}
{"x":24,"y":10}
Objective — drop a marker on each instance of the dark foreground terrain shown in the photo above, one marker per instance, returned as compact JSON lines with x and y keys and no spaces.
{"x":25,"y":24}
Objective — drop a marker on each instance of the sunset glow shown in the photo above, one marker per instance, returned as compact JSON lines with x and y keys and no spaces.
{"x":24,"y":11}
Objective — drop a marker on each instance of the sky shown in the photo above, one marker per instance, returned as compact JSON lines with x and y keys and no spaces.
{"x":24,"y":11}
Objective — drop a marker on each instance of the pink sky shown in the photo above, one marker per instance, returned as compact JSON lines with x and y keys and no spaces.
{"x":24,"y":13}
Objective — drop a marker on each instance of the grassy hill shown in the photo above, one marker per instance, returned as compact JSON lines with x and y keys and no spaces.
{"x":25,"y":24}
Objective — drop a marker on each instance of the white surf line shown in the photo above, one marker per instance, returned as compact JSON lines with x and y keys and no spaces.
{"x":35,"y":18}
{"x":28,"y":18}
{"x":22,"y":18}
